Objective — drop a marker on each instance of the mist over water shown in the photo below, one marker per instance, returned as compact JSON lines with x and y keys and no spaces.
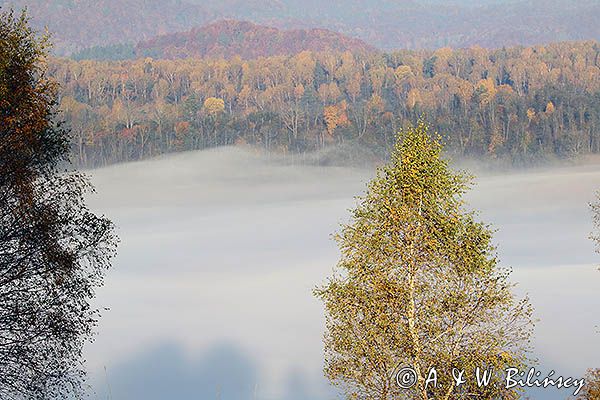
{"x":210,"y":295}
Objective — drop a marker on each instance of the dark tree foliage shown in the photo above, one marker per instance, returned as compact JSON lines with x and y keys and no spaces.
{"x":53,"y":250}
{"x":111,"y":52}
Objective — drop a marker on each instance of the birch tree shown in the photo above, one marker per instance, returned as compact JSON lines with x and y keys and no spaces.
{"x":418,"y":286}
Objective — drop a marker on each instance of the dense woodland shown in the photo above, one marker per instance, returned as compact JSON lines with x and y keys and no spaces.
{"x":521,"y":104}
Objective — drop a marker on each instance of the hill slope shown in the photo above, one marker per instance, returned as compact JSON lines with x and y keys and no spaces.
{"x":77,"y":24}
{"x":382,"y":23}
{"x":226,"y":39}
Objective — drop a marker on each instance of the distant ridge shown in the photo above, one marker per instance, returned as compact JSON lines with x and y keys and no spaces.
{"x":230,"y":38}
{"x":388,"y":25}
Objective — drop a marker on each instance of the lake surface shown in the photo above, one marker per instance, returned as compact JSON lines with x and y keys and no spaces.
{"x":210,"y":295}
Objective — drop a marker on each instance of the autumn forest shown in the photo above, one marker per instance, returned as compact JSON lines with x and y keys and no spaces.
{"x":519,"y":104}
{"x":299,"y":200}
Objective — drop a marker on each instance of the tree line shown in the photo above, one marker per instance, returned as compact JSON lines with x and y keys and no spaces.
{"x":521,"y":104}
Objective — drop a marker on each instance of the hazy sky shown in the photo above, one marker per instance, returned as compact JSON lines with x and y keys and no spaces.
{"x":210,"y":296}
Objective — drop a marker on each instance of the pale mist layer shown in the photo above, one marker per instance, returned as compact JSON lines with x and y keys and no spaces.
{"x":210,"y":296}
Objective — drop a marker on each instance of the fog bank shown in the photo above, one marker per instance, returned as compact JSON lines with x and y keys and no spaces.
{"x":221,"y":248}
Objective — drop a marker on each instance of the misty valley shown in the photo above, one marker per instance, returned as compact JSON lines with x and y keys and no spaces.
{"x":299,"y":200}
{"x":226,"y":245}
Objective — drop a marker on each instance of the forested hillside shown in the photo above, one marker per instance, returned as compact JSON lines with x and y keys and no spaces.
{"x":521,"y":104}
{"x":384,"y":24}
{"x":230,"y":38}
